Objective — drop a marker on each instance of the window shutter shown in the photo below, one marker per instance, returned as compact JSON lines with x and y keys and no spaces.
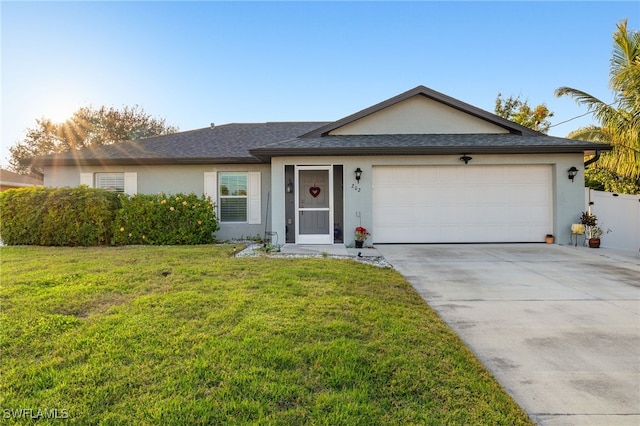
{"x":255,"y":212}
{"x":131,"y":183}
{"x":86,"y":179}
{"x":211,"y":187}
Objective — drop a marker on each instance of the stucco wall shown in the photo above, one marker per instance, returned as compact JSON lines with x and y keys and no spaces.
{"x":418,"y":115}
{"x":173,"y":179}
{"x":568,"y":196}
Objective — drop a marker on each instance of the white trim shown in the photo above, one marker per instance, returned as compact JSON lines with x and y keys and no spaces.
{"x":211,"y":189}
{"x":131,"y":183}
{"x":86,"y":179}
{"x":313,"y":238}
{"x":254,"y":213}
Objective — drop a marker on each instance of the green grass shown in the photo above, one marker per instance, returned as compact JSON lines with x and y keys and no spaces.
{"x":192,"y":335}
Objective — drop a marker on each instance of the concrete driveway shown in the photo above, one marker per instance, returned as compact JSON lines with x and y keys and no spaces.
{"x":558,"y":326}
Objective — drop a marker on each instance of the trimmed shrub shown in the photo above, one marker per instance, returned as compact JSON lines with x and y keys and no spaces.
{"x":165,"y":219}
{"x":79,"y":216}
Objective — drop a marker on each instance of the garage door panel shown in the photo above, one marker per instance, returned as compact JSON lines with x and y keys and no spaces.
{"x":426,"y":174}
{"x":539,"y":215}
{"x":401,"y":214}
{"x":462,"y":204}
{"x":384,"y":193}
{"x":451,"y":197}
{"x":478,"y":216}
{"x":429,"y":215}
{"x":494,"y":176}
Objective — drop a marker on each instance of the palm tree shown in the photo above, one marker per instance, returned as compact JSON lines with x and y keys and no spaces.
{"x":620,"y":120}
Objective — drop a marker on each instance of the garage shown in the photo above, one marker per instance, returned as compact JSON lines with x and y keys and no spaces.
{"x":462,"y":204}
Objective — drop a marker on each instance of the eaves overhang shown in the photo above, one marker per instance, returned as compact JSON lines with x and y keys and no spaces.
{"x":265,"y":154}
{"x":45,"y":162}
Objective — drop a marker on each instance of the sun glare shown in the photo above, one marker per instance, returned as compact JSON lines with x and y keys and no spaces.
{"x":59,"y":109}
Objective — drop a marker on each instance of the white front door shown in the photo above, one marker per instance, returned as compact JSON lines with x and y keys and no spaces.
{"x":314,"y":205}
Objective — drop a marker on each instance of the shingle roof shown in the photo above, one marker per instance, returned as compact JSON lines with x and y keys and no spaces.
{"x":9,"y":178}
{"x":258,"y":142}
{"x":425,"y":144}
{"x":229,"y":143}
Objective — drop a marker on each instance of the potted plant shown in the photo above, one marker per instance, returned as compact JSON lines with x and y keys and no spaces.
{"x":361,"y":235}
{"x":589,"y":221}
{"x":549,"y":239}
{"x":594,"y":236}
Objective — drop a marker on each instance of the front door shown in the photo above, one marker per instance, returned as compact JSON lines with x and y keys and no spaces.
{"x":314,"y":205}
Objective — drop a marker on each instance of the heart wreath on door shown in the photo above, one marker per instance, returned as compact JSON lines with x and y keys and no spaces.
{"x":314,"y":191}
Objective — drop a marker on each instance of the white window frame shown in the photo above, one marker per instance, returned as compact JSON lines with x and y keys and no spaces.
{"x":130,"y":181}
{"x":253,"y":196}
{"x":110,"y":181}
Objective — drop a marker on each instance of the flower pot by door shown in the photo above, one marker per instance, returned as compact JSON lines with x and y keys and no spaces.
{"x":594,"y":242}
{"x":359,"y":244}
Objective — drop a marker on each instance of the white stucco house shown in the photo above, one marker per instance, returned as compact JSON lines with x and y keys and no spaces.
{"x":420,"y":167}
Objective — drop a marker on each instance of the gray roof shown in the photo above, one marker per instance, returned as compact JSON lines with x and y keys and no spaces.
{"x":432,"y":144}
{"x":229,"y":143}
{"x":258,"y":142}
{"x":9,"y":178}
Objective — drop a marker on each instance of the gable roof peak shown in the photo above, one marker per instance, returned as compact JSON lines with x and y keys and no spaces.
{"x":464,"y":107}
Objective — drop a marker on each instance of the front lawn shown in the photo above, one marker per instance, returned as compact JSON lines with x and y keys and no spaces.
{"x":192,"y":335}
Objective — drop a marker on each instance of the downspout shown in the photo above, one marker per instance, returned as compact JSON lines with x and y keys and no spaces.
{"x":586,"y":164}
{"x":592,"y":160}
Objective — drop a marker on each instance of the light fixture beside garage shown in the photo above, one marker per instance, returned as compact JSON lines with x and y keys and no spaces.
{"x":572,"y":173}
{"x":358,"y":173}
{"x":466,"y":158}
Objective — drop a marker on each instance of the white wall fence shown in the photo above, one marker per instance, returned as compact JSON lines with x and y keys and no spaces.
{"x":618,"y":212}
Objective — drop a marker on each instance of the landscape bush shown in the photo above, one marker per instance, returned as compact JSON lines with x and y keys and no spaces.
{"x":83,"y":216}
{"x":163,"y":219}
{"x":79,"y":216}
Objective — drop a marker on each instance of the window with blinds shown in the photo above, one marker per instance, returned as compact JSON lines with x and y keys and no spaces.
{"x":110,"y":181}
{"x":233,"y":197}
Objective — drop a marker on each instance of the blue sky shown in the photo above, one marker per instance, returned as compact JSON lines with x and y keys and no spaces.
{"x":194,"y":63}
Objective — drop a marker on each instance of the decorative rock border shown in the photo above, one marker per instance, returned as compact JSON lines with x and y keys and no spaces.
{"x":255,"y":250}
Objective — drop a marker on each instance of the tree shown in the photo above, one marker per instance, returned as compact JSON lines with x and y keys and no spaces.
{"x":520,"y":112}
{"x":619,"y":121}
{"x":87,"y":128}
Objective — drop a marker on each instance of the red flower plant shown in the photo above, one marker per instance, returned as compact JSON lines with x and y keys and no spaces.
{"x":361,"y":233}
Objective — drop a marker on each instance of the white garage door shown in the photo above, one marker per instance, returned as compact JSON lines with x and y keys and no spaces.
{"x":458,"y":204}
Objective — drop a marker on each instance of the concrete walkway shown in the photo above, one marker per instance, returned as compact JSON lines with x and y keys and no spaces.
{"x":558,"y":326}
{"x":329,"y":249}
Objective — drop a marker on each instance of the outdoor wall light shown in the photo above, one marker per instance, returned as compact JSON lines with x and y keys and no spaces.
{"x":290,"y":187}
{"x":466,"y":158}
{"x":358,"y":173}
{"x":572,"y":173}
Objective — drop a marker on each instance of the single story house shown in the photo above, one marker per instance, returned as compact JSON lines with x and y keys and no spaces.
{"x":11,"y":180}
{"x":421,"y":167}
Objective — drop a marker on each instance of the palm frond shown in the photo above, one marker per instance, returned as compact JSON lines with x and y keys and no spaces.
{"x":600,"y":109}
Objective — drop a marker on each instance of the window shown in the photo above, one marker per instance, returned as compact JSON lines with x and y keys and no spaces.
{"x":233,"y":197}
{"x":110,"y":181}
{"x":237,"y":195}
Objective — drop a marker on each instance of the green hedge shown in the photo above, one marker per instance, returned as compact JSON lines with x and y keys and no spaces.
{"x":78,"y":216}
{"x":165,"y":219}
{"x":83,"y":216}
